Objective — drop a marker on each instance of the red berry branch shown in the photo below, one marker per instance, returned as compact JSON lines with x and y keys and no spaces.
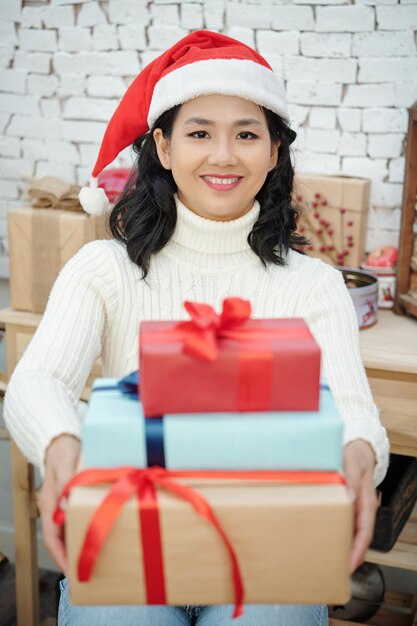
{"x":324,"y":230}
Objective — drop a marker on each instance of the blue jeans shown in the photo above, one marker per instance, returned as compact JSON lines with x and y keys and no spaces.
{"x":254,"y":615}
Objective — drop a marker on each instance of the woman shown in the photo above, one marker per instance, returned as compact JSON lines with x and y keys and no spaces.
{"x":207,"y":214}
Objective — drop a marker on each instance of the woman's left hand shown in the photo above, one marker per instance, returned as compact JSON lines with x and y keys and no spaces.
{"x":359,"y":463}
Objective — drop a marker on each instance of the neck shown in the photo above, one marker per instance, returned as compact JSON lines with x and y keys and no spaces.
{"x":219,"y":218}
{"x":210,"y":243}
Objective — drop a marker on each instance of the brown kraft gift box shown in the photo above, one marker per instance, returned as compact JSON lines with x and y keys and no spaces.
{"x":292,"y":544}
{"x":41,"y":241}
{"x":342,"y":205}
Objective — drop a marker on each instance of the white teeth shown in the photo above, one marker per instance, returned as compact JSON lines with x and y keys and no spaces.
{"x":221,"y":181}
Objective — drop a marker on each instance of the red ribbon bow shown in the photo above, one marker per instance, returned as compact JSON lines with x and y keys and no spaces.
{"x":129,"y":482}
{"x":207,"y":326}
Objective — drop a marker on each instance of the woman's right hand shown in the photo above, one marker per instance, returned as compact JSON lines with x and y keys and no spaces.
{"x":61,"y":460}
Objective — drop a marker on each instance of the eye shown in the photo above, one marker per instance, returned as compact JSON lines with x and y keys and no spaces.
{"x":199,"y":134}
{"x":245,"y":134}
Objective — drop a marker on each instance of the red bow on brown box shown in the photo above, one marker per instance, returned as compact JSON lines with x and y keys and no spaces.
{"x":125,"y":483}
{"x":228,"y":362}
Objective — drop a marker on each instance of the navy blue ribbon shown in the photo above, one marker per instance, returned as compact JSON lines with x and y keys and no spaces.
{"x":154,"y":437}
{"x":130,"y":384}
{"x":154,"y":427}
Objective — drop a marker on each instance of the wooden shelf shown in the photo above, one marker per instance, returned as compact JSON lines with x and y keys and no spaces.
{"x":404,"y":553}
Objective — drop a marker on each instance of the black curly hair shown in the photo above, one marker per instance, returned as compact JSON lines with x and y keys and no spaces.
{"x":145,"y":215}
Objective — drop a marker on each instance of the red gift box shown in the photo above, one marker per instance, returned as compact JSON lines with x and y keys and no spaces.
{"x":227,"y":363}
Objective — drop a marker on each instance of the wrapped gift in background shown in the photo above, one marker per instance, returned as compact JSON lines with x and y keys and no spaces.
{"x":43,"y":237}
{"x":228,"y":362}
{"x":334,"y":213}
{"x":113,"y":180}
{"x":116,"y":433}
{"x":292,"y":542}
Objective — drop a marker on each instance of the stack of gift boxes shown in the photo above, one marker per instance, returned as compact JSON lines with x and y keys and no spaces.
{"x":219,"y":481}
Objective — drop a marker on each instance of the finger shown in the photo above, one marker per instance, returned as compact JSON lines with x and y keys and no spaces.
{"x":60,"y":467}
{"x":364,"y":524}
{"x":53,"y":535}
{"x":353,"y":477}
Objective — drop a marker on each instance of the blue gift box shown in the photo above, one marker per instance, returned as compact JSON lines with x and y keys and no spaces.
{"x":115,"y":433}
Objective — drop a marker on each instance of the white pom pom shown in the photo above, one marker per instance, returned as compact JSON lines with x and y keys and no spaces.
{"x":93,"y":200}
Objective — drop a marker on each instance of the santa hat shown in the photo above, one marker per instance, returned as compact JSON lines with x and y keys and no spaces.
{"x":202,"y":63}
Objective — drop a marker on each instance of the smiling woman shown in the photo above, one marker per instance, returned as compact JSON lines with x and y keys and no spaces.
{"x":207,"y":214}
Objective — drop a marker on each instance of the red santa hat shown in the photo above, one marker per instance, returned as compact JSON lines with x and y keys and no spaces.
{"x":202,"y":63}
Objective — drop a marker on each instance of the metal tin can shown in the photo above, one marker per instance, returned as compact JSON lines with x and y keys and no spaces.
{"x":386,"y":284}
{"x":363,"y":289}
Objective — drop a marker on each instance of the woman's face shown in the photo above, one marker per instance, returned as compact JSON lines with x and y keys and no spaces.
{"x":220,"y":153}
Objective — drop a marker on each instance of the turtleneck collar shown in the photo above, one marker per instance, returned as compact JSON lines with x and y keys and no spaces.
{"x":210,"y":245}
{"x":210,"y":236}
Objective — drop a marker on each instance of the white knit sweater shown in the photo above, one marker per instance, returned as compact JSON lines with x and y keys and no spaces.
{"x":99,"y":300}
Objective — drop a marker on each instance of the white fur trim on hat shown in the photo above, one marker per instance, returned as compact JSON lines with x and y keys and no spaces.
{"x":228,"y":77}
{"x":93,"y":199}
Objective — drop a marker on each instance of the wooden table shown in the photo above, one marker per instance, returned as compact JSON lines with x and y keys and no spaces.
{"x":389,"y":351}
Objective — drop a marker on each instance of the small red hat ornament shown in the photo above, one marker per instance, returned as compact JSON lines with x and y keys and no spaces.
{"x":202,"y":63}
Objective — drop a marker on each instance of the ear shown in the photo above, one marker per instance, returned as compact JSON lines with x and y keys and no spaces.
{"x":274,"y":155}
{"x":162,"y":148}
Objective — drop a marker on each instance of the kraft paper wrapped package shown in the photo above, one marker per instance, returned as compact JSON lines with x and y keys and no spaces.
{"x":116,"y":433}
{"x":292,"y":543}
{"x":41,"y":241}
{"x":258,"y":364}
{"x":334,"y":216}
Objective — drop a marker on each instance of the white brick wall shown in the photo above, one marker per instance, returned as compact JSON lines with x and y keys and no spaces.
{"x":329,"y":45}
{"x":386,"y":145}
{"x":385,"y":120}
{"x":352,"y":144}
{"x":37,"y":62}
{"x":250,"y":15}
{"x":314,"y":93}
{"x":320,"y":70}
{"x":292,"y":18}
{"x":72,"y":39}
{"x":381,"y":94}
{"x":345,"y":19}
{"x":192,"y":16}
{"x":91,"y":14}
{"x":375,"y":70}
{"x":105,"y":37}
{"x":322,"y":117}
{"x":397,"y":17}
{"x":349,"y":119}
{"x":349,"y":66}
{"x":278,"y":43}
{"x":384,"y":44}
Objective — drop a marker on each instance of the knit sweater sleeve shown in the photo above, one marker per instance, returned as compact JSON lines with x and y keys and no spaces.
{"x":43,"y":393}
{"x":332,"y":319}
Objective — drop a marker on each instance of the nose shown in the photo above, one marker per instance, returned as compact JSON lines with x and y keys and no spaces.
{"x":222,"y":153}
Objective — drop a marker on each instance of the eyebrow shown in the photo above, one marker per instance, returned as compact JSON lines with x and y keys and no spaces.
{"x":203,"y":122}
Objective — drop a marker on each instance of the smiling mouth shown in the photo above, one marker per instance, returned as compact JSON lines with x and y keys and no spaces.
{"x":222,"y":183}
